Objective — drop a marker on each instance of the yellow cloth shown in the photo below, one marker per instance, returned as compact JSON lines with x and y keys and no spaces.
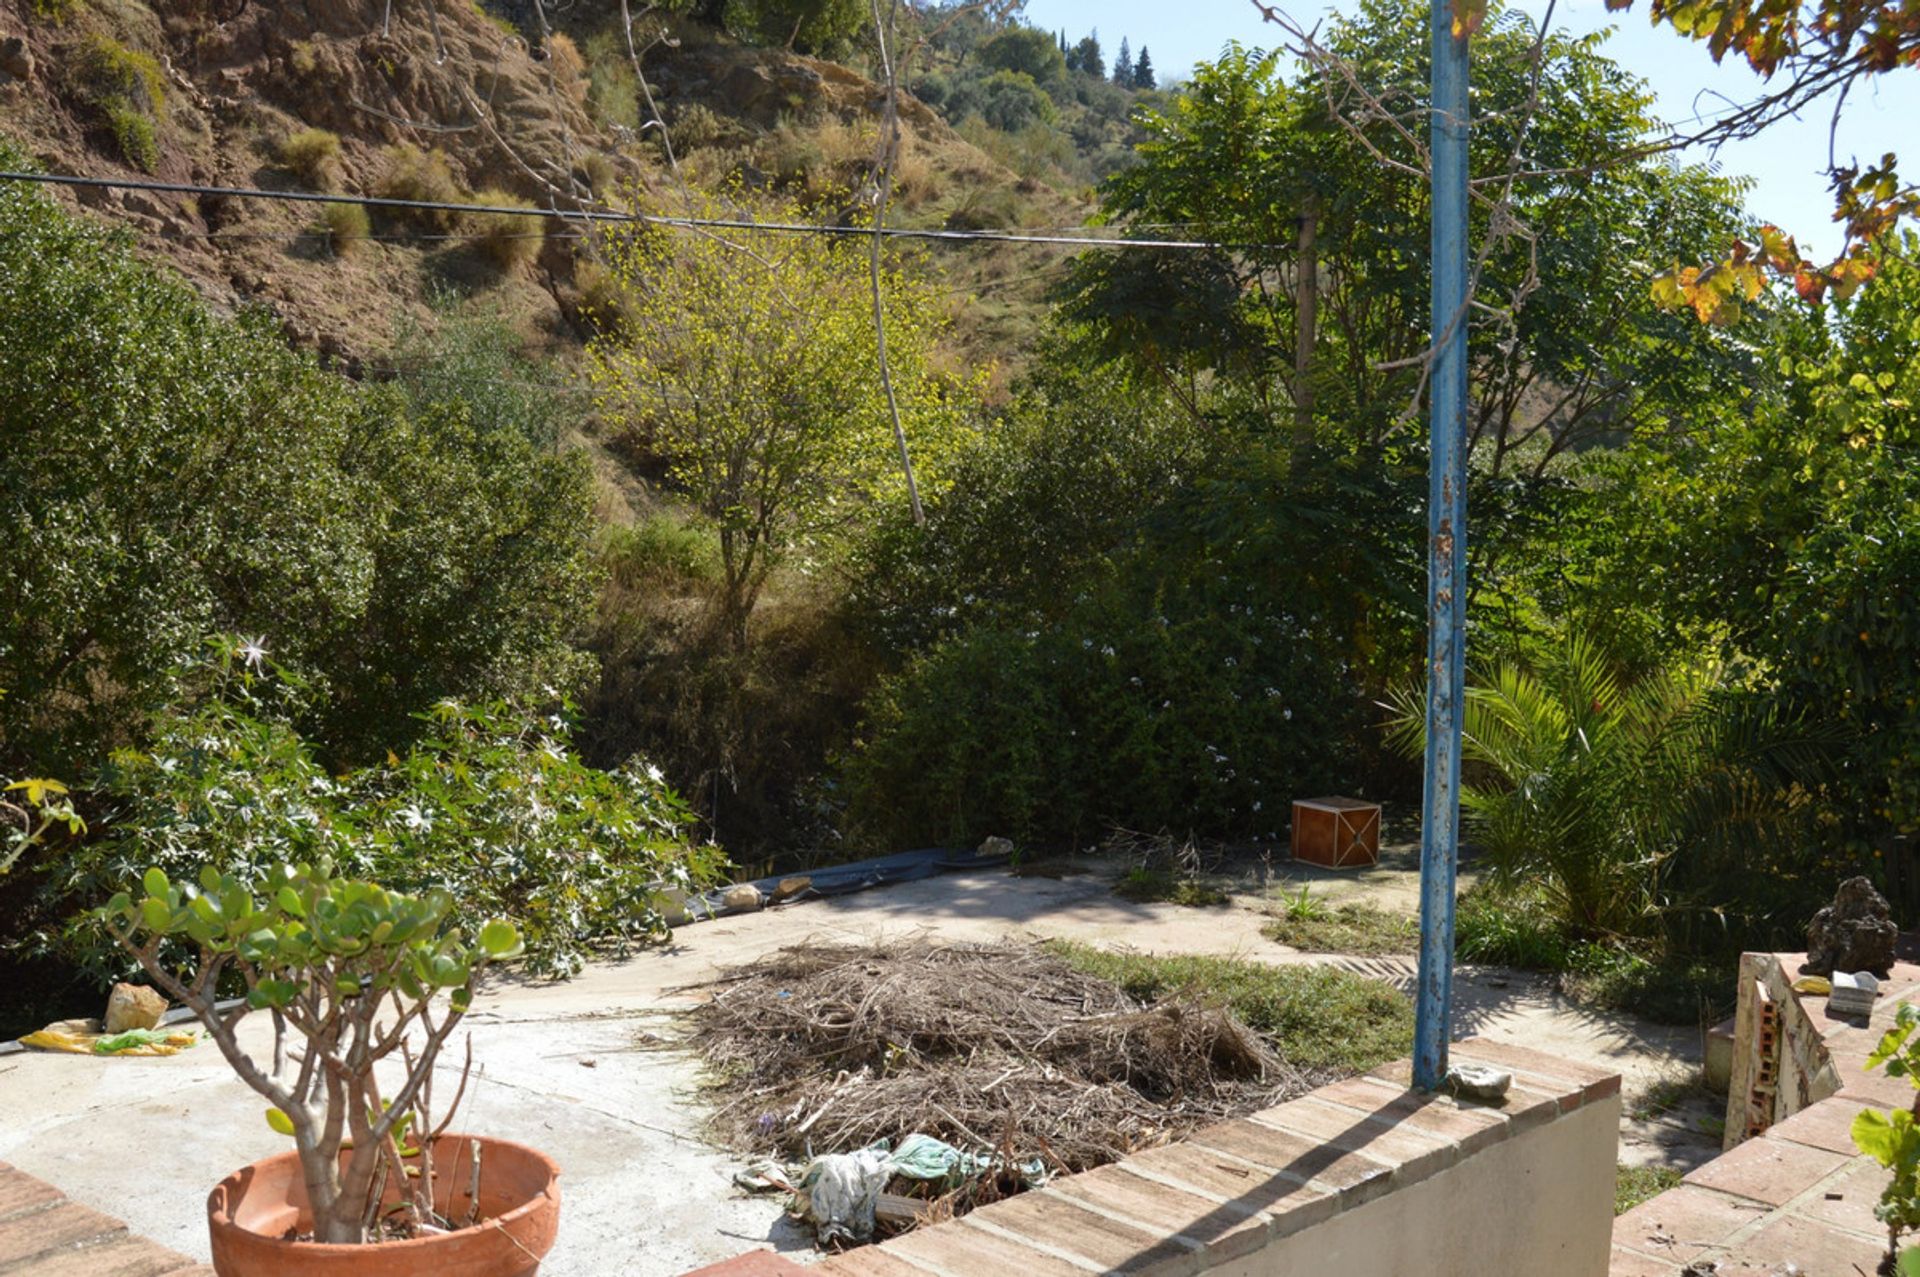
{"x":81,"y":1037}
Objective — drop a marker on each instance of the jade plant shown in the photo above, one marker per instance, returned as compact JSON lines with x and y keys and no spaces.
{"x":1892,"y":1138}
{"x":354,"y":971}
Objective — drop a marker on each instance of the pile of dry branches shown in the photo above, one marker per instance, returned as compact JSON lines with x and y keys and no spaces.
{"x":825,"y":1049}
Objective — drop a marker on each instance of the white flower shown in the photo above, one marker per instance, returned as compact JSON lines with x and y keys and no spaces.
{"x":654,"y":774}
{"x":253,"y":651}
{"x":413,"y":818}
{"x":1287,"y":714}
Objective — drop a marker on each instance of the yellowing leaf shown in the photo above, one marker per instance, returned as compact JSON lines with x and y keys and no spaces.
{"x":38,"y":789}
{"x":1468,"y":17}
{"x":280,"y":1122}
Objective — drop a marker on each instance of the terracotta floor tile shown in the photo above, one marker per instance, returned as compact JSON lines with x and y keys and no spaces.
{"x":1827,"y":1125}
{"x":1768,"y":1170}
{"x":1818,"y":1249}
{"x":1683,"y":1222}
{"x":1849,"y":1201}
{"x":1627,"y":1263}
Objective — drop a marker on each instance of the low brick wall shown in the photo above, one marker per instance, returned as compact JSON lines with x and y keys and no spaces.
{"x":1363,"y":1177}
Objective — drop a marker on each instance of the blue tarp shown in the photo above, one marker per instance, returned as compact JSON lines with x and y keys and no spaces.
{"x":841,"y":880}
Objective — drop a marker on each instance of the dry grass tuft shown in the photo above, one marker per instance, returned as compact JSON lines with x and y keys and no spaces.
{"x":507,"y":239}
{"x":345,"y":227}
{"x":414,"y":174}
{"x":313,"y":156}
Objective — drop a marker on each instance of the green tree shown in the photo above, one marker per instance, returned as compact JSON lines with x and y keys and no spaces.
{"x":1248,"y":159}
{"x":810,"y":26}
{"x":1026,"y":50}
{"x":754,"y":373}
{"x":1787,"y":538}
{"x":1086,"y":57}
{"x":1123,"y":66}
{"x":1143,"y":70}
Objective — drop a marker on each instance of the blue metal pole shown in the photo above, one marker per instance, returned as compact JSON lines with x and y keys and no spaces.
{"x":1446,"y":552}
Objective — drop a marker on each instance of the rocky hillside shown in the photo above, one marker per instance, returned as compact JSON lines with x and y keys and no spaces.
{"x":451,"y":101}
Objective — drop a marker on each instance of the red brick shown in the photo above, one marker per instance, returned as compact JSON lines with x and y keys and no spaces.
{"x":1224,"y":1230}
{"x":1355,"y":1177}
{"x":870,"y":1261}
{"x":1683,"y":1222}
{"x":1472,"y":1128}
{"x":124,"y":1256}
{"x":754,"y":1263}
{"x":1292,"y":1203}
{"x":22,"y":1192}
{"x":1412,"y":1153}
{"x":1770,"y":1171}
{"x":56,"y":1228}
{"x":1061,"y":1224}
{"x":960,"y":1250}
{"x":1828,"y":1125}
{"x":1630,"y":1263}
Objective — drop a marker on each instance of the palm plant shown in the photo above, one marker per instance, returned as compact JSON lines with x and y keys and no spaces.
{"x":1640,"y":806}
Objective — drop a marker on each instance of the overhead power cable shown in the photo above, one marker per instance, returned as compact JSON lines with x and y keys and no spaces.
{"x":617,"y":218}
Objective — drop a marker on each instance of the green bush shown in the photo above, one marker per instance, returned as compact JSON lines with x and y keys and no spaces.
{"x":313,"y":156}
{"x":1510,"y":928}
{"x":1201,"y":711}
{"x":1010,"y":101}
{"x":127,"y":90}
{"x":613,"y":92}
{"x":1127,"y":629}
{"x":492,"y":806}
{"x":134,"y":135}
{"x":1635,"y":805}
{"x":171,"y":473}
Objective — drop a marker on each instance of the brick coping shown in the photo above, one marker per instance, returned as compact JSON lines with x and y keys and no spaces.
{"x":1798,"y":1192}
{"x":1229,"y":1189}
{"x":42,"y":1234}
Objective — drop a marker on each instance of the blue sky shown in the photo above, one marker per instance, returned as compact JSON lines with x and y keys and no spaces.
{"x":1786,"y":163}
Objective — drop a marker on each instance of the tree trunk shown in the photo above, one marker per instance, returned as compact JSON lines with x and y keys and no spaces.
{"x":1306,"y":272}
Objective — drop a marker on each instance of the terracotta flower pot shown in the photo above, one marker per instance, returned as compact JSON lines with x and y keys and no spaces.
{"x":250,"y":1212}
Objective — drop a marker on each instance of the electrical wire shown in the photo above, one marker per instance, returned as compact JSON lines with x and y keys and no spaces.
{"x":610,"y":217}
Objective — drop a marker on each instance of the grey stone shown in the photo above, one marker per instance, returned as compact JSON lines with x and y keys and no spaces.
{"x":1476,"y":1082}
{"x":1854,"y":933}
{"x":997,"y":846}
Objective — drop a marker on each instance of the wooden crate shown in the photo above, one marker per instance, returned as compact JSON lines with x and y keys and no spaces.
{"x":1340,"y":833}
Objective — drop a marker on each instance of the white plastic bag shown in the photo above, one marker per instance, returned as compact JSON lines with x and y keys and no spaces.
{"x":839,"y":1192}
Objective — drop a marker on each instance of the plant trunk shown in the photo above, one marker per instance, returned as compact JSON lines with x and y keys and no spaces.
{"x":1306,"y":273}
